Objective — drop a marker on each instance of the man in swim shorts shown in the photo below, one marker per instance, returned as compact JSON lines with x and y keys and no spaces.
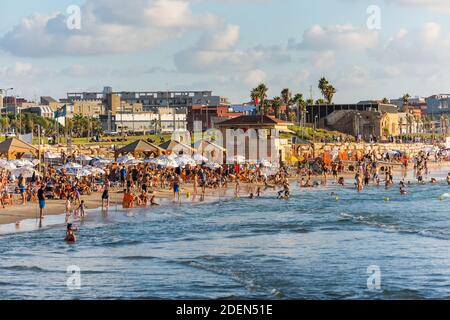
{"x":41,"y":198}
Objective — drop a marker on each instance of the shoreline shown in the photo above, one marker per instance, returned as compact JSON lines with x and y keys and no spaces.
{"x":16,"y":214}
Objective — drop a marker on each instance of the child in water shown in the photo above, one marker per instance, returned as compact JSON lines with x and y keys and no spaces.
{"x":70,"y":234}
{"x":82,"y":209}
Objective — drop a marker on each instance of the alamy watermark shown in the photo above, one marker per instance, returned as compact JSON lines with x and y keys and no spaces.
{"x":73,"y":281}
{"x":374,"y":17}
{"x":73,"y":20}
{"x":374,"y":279}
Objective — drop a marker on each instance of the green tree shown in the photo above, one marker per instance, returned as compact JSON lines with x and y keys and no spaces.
{"x":276,"y":105}
{"x":286,"y":97}
{"x":260,"y":93}
{"x":406,"y":98}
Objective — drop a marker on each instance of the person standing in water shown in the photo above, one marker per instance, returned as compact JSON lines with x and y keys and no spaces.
{"x":41,"y":198}
{"x":105,"y":197}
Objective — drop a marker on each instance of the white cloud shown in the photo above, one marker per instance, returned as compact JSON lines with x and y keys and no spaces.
{"x":435,"y":5}
{"x":19,"y":70}
{"x":255,"y":77}
{"x":107,"y":26}
{"x":217,"y":51}
{"x":338,"y":37}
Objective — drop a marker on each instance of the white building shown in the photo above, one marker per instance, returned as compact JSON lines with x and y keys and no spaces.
{"x":144,"y":122}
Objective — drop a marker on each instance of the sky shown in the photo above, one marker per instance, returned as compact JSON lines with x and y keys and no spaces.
{"x":366,"y":49}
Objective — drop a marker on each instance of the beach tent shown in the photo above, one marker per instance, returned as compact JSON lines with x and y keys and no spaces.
{"x":210,"y":150}
{"x":140,"y":147}
{"x":177,"y":148}
{"x":15,"y":149}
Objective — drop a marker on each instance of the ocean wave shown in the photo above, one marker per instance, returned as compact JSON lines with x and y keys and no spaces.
{"x":386,"y":227}
{"x":137,"y":258}
{"x":26,"y":268}
{"x":123,"y":242}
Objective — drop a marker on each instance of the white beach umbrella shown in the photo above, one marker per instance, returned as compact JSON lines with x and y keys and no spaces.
{"x":152,"y":160}
{"x":26,"y":172}
{"x":199,"y":158}
{"x":72,"y":166}
{"x":213,"y":165}
{"x":266,"y":163}
{"x":83,"y":158}
{"x":49,"y":155}
{"x":125,"y":159}
{"x":22,"y":163}
{"x":184,"y":160}
{"x":101,"y":162}
{"x":239,"y":159}
{"x":96,"y":171}
{"x":9,"y":166}
{"x":84,"y":173}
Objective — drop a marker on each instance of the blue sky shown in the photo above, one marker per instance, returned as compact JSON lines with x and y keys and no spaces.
{"x":227,"y":46}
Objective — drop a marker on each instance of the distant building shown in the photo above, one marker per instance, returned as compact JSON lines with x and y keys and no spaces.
{"x":264,"y":146}
{"x":143,"y":122}
{"x":438,"y":105}
{"x":414,"y":102}
{"x":209,"y":116}
{"x":40,"y":110}
{"x":152,"y":100}
{"x":50,"y":102}
{"x":317,"y":113}
{"x":366,"y":123}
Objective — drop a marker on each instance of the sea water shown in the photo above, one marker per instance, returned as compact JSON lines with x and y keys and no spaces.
{"x":323,"y":243}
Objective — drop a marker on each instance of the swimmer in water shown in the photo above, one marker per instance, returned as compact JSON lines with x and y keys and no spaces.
{"x":70,"y":234}
{"x":153,"y":201}
{"x":403,"y":188}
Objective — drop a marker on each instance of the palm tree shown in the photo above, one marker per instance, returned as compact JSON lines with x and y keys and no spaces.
{"x":5,"y":123}
{"x":385,"y":101}
{"x":400,"y":125}
{"x":260,"y":93}
{"x":327,"y":90}
{"x":410,"y":121}
{"x":331,"y":91}
{"x":286,"y":96}
{"x":444,"y":123}
{"x":301,"y":105}
{"x":320,"y":101}
{"x":406,"y":99}
{"x":323,"y":85}
{"x":276,"y":105}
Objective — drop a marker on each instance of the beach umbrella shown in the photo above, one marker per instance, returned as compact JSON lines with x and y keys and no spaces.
{"x":151,"y":161}
{"x":172,"y":164}
{"x":83,"y":158}
{"x":96,"y":171}
{"x":184,"y":160}
{"x":72,"y":166}
{"x":125,"y":159}
{"x":266,"y":163}
{"x":49,"y":155}
{"x":22,"y":163}
{"x":239,"y":159}
{"x":26,"y":172}
{"x":213,"y":165}
{"x":198,"y":158}
{"x":9,"y":166}
{"x":84,"y":173}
